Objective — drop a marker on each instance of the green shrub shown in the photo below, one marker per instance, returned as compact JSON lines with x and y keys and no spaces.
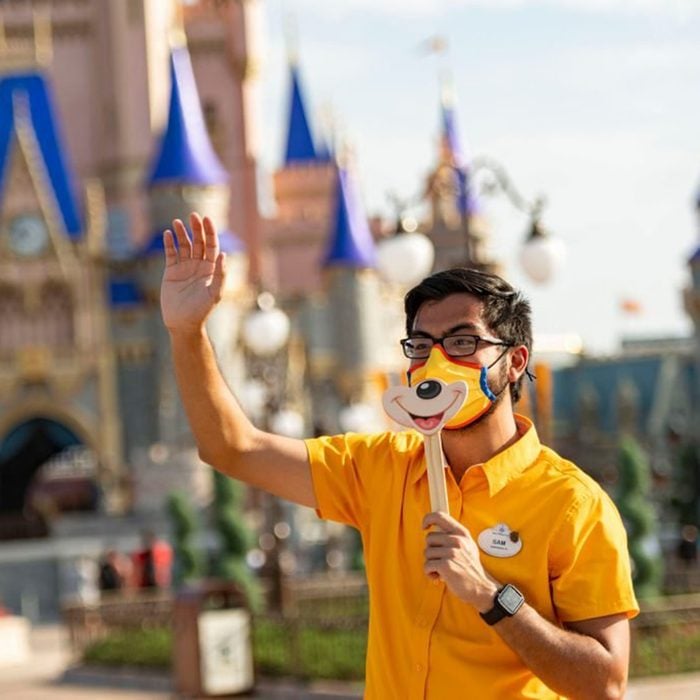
{"x":665,"y":650}
{"x":149,"y":648}
{"x":309,"y":651}
{"x":187,"y":563}
{"x":235,"y":538}
{"x":634,"y":487}
{"x":314,"y":651}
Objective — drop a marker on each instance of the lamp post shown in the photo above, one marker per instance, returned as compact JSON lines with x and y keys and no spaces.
{"x":265,"y":333}
{"x":541,"y":254}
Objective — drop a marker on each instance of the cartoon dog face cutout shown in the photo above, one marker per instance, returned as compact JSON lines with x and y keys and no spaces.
{"x":427,"y":406}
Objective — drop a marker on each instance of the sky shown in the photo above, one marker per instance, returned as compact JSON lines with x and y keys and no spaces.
{"x":593,"y":104}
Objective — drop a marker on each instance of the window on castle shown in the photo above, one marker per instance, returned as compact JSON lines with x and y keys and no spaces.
{"x":214,"y":127}
{"x":10,"y":319}
{"x":57,"y":315}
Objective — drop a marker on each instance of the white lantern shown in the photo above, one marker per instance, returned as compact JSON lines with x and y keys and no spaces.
{"x":541,"y":255}
{"x":405,"y":258}
{"x":287,"y":422}
{"x":252,"y":396}
{"x":266,"y":330}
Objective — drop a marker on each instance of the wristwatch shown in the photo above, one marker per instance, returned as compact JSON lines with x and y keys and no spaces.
{"x":507,"y":601}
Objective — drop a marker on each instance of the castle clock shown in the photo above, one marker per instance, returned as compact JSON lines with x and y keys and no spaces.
{"x":28,"y":235}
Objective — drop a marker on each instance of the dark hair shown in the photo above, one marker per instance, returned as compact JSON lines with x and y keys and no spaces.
{"x":506,"y":312}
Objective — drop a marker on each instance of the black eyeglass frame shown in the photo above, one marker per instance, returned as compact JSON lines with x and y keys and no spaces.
{"x":441,"y":342}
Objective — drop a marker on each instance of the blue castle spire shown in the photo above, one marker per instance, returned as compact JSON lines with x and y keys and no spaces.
{"x":34,"y":90}
{"x":300,"y":143}
{"x":186,"y":154}
{"x":467,"y":200}
{"x":351,"y":243}
{"x":450,"y":134}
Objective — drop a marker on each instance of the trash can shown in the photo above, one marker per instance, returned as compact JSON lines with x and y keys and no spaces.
{"x":212,"y":646}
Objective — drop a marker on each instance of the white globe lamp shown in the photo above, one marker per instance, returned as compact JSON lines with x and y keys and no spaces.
{"x":407,"y":257}
{"x":287,"y":422}
{"x":541,"y":255}
{"x":266,"y":330}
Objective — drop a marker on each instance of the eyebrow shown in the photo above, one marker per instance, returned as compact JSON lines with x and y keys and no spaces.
{"x":450,"y":331}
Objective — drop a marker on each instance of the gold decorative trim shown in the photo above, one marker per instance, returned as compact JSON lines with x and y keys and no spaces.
{"x":29,"y":148}
{"x":135,"y":351}
{"x":96,"y":218}
{"x":34,"y":364}
{"x":27,"y":45}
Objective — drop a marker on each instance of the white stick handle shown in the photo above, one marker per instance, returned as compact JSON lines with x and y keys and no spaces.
{"x":435,"y":461}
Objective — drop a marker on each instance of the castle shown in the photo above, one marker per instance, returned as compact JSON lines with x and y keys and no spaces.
{"x":116,"y":118}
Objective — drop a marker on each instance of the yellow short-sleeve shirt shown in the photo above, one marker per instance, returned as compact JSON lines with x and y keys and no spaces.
{"x":571,"y":560}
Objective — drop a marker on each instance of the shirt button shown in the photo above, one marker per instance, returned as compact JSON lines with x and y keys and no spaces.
{"x":419,"y":668}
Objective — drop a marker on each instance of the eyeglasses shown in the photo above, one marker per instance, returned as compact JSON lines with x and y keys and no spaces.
{"x":419,"y":348}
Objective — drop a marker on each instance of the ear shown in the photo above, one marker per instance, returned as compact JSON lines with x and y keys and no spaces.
{"x":519,"y":357}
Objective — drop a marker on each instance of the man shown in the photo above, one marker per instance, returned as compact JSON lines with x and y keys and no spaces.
{"x":539,"y":607}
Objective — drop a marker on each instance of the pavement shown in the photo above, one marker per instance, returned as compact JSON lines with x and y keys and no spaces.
{"x":52,"y":674}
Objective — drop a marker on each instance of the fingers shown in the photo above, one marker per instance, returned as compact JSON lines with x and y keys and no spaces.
{"x":197,"y":236}
{"x":436,"y":569}
{"x":437,"y":538}
{"x":440,"y":545}
{"x":169,"y":247}
{"x":211,"y":240}
{"x":443,"y":522}
{"x":439,"y":553}
{"x":183,"y":240}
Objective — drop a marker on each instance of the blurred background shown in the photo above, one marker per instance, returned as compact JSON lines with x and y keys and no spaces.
{"x":344,"y":150}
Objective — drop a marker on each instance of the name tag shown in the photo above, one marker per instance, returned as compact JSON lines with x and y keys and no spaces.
{"x":500,"y":541}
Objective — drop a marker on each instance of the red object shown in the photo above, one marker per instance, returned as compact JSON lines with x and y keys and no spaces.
{"x":153,"y":565}
{"x":630,"y":306}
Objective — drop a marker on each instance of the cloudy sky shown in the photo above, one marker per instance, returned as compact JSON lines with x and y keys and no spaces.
{"x":593,"y":103}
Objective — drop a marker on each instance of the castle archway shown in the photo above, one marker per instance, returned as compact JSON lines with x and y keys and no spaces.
{"x":45,"y":469}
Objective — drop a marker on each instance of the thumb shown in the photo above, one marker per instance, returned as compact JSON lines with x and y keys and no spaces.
{"x":218,"y":278}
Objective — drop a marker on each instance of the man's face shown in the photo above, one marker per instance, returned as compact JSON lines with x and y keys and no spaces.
{"x":463,"y":314}
{"x":454,"y":315}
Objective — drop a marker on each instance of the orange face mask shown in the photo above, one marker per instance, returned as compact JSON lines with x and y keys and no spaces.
{"x":439,"y":365}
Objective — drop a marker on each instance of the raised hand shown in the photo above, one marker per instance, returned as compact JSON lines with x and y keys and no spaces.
{"x":194,"y":274}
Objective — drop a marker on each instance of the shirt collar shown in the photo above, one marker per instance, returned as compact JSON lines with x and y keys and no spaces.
{"x":507,"y":464}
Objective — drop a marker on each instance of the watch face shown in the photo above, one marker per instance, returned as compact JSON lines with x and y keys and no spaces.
{"x":28,"y":235}
{"x":510,"y":598}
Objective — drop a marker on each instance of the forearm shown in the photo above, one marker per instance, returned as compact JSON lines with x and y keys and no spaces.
{"x":225,"y":437}
{"x":219,"y":425}
{"x":573,"y":664}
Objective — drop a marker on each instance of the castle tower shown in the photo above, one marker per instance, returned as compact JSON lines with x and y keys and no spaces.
{"x":59,"y":424}
{"x":352,"y":294}
{"x":305,"y":194}
{"x":457,"y":228}
{"x":224,"y":40}
{"x":186,"y":176}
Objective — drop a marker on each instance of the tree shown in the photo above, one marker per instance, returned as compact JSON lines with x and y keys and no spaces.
{"x":235,"y":538}
{"x":634,"y":486}
{"x":686,"y":500}
{"x":187,"y":564}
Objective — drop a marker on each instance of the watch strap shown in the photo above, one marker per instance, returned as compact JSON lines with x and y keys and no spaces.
{"x":499,"y":611}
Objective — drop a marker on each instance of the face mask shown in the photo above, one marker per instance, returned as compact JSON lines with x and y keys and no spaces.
{"x":448,"y":369}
